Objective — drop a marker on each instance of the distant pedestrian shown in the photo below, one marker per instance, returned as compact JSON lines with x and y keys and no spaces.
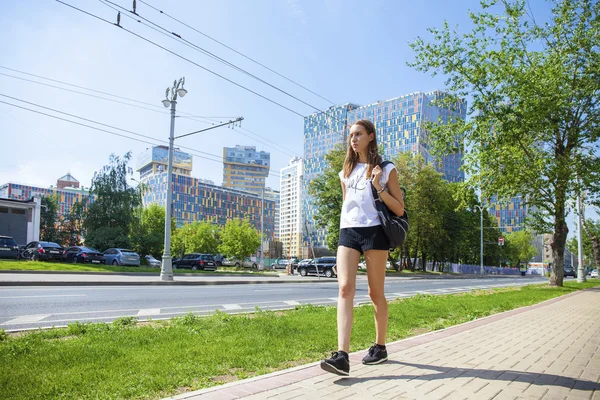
{"x":361,"y":233}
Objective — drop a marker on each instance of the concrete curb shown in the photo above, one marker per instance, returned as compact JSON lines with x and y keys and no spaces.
{"x":154,"y":283}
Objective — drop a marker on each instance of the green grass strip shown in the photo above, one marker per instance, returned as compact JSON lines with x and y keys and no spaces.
{"x":25,"y":265}
{"x":162,"y":358}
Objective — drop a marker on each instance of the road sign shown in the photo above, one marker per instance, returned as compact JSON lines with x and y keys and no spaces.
{"x":500,"y":241}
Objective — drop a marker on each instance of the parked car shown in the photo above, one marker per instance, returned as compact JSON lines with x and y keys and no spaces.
{"x":43,"y":251}
{"x":306,"y":261}
{"x":570,"y":271}
{"x":9,"y":248}
{"x":280,"y":263}
{"x":153,"y":262}
{"x":245,"y":263}
{"x":363,"y":265}
{"x":219,"y":259}
{"x":325,"y":266}
{"x":196,"y":261}
{"x":594,"y":273}
{"x":82,"y":254}
{"x":116,"y":256}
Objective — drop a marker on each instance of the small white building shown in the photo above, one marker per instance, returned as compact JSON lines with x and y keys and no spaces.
{"x":20,"y":219}
{"x":290,"y":208}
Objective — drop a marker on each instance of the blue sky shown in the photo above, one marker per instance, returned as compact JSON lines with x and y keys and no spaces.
{"x":344,"y":50}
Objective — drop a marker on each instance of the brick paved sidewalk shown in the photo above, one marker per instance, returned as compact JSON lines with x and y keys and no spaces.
{"x":547,"y":351}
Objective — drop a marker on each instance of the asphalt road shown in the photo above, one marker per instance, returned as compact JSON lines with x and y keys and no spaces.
{"x":31,"y":307}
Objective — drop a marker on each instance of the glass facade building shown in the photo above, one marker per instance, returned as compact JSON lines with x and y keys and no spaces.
{"x":194,"y":200}
{"x":510,"y":215}
{"x":66,"y":196}
{"x":244,"y":168}
{"x":399,"y":125}
{"x":155,"y":160}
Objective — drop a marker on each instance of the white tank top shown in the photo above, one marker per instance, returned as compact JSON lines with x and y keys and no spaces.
{"x":358,"y":210}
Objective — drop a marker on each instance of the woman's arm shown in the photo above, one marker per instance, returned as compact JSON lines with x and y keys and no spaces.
{"x":343,"y":191}
{"x":393,"y":197}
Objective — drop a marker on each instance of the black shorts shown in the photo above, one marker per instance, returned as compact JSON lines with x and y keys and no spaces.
{"x":364,"y":239}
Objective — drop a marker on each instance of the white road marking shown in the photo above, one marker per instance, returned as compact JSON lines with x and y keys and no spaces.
{"x":272,"y":290}
{"x":148,"y":311}
{"x":333,"y":298}
{"x":26,"y":319}
{"x":232,"y":306}
{"x":47,"y":295}
{"x":292,"y":303}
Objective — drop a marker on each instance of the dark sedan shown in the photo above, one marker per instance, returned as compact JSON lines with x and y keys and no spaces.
{"x":8,"y":247}
{"x":81,"y":254}
{"x":43,"y":251}
{"x":196,"y":261}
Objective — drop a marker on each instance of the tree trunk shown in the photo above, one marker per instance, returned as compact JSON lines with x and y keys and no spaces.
{"x":595,"y":243}
{"x":414,"y":263}
{"x":559,"y":238}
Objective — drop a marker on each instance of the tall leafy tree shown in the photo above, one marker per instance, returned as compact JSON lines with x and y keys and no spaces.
{"x":110,"y":216}
{"x":534,"y":109}
{"x":239,"y":239}
{"x":520,"y":248}
{"x":49,"y":219}
{"x":71,"y":225}
{"x":327,"y":195}
{"x":197,"y":237}
{"x":148,"y":230}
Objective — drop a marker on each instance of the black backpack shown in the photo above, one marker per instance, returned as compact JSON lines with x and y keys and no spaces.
{"x":395,"y":227}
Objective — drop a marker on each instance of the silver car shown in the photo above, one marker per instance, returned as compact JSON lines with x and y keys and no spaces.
{"x":153,"y":262}
{"x":122,"y":257}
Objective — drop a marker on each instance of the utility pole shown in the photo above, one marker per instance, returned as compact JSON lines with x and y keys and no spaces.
{"x":262,"y":217}
{"x":481,"y":269}
{"x":171,"y":94}
{"x":580,"y":271}
{"x":166,"y":271}
{"x":312,"y":249}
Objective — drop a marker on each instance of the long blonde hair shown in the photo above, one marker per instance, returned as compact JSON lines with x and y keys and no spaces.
{"x":373,"y":157}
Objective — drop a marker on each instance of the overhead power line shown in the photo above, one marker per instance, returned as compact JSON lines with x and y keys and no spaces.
{"x":235,"y":51}
{"x":209,"y":120}
{"x":192,"y":62}
{"x":179,"y":38}
{"x":183,"y":58}
{"x":154,"y":143}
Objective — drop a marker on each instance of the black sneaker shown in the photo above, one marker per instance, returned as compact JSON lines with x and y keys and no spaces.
{"x":377,"y":355}
{"x":337,"y":364}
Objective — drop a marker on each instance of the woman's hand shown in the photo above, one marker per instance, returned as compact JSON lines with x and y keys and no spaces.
{"x":376,"y":176}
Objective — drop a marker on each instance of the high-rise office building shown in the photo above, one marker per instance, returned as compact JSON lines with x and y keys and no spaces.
{"x":510,"y":215}
{"x":155,"y":160}
{"x":399,"y":124}
{"x":244,"y":168}
{"x":273,"y":195}
{"x":290,"y":223}
{"x":197,"y":199}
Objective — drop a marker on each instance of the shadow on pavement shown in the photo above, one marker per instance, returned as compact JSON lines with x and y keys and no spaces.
{"x":492,"y":374}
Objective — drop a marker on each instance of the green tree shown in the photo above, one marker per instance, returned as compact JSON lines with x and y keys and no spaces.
{"x":109,"y":218}
{"x":534,"y":108}
{"x":148,"y":230}
{"x":592,"y":234}
{"x":196,"y":237}
{"x":239,"y":239}
{"x":49,"y":219}
{"x":520,"y":248}
{"x":71,"y":224}
{"x":326,"y":191}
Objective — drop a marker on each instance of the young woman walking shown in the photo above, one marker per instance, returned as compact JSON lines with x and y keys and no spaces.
{"x":361,"y":233}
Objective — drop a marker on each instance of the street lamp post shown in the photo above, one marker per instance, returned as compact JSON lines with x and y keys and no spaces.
{"x":480,"y":208}
{"x":166,"y":272}
{"x":580,"y":269}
